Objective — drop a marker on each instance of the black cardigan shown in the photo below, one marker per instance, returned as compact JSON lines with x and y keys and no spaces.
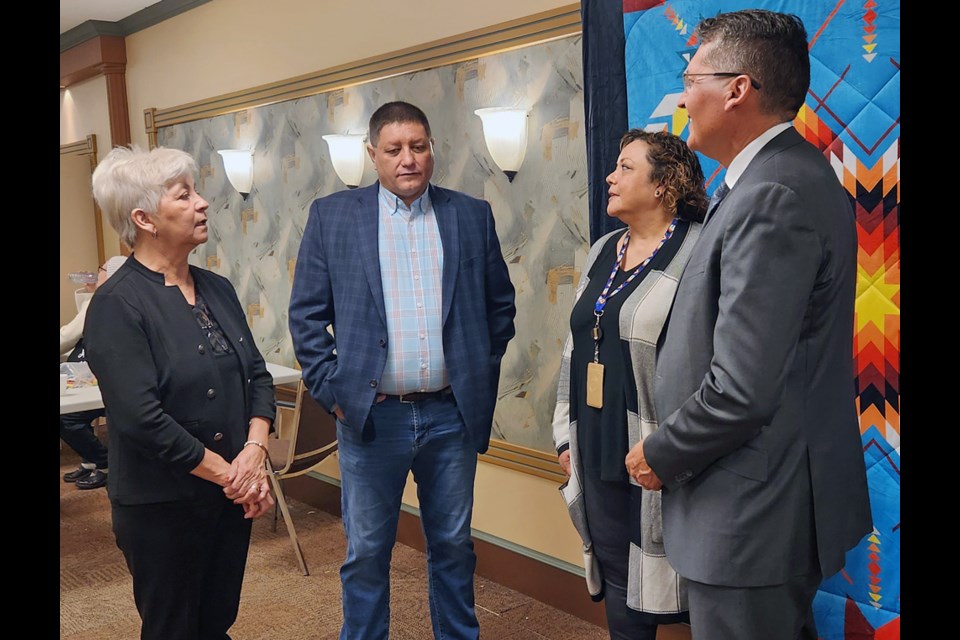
{"x":160,"y":383}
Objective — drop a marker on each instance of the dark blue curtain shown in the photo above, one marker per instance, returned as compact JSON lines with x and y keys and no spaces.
{"x":605,"y":102}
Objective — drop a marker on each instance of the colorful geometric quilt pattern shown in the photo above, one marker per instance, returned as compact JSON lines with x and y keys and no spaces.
{"x":852,"y":114}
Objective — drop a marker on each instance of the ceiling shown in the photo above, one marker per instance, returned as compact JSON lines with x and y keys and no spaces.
{"x":76,"y":12}
{"x":82,"y":20}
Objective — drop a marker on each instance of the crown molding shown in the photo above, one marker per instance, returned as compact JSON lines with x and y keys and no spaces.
{"x":539,"y":27}
{"x":146,"y":17}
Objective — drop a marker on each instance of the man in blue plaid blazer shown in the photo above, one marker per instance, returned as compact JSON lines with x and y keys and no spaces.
{"x":411,"y":280}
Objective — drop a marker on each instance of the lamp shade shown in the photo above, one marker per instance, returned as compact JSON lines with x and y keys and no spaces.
{"x":505,"y":131}
{"x":348,"y":155}
{"x":238,"y":163}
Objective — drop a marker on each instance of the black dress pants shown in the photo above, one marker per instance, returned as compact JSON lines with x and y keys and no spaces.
{"x":187,"y":561}
{"x":608,"y":507}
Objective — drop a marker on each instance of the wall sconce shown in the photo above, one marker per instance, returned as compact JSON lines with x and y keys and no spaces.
{"x":505,"y":131}
{"x":238,"y":164}
{"x":348,"y":155}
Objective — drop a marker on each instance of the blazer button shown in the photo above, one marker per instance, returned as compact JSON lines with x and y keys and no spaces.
{"x":211,"y":393}
{"x":200,"y":349}
{"x":383,"y":342}
{"x":373,"y":383}
{"x":218,"y":436}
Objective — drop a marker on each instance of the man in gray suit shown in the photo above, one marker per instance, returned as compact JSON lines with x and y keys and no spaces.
{"x":758,"y":452}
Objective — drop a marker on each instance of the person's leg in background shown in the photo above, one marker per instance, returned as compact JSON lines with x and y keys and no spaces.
{"x":76,"y":430}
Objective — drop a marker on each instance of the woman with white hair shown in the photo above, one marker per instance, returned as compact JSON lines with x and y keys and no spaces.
{"x":188,"y":398}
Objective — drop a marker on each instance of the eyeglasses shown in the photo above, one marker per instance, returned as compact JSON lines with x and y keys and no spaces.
{"x":214,"y":336}
{"x":688,"y":78}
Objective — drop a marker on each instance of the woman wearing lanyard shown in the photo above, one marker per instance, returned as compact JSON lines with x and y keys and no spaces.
{"x":605,"y":394}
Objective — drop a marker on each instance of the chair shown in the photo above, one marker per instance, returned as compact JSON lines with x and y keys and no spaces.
{"x":297,"y":449}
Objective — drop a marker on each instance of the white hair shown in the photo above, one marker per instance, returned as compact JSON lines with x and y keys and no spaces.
{"x":129,"y":178}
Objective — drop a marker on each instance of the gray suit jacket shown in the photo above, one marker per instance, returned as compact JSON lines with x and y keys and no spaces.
{"x":759,"y":443}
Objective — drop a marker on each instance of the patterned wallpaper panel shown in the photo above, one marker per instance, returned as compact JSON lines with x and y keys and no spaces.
{"x":541,"y":216}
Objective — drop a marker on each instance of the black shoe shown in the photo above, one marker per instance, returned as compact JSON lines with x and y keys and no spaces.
{"x":76,"y":474}
{"x":95,"y":480}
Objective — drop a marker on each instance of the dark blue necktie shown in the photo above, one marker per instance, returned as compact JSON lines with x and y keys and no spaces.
{"x":715,"y":199}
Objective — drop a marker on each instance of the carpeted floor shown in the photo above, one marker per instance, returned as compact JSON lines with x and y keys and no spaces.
{"x":96,"y":597}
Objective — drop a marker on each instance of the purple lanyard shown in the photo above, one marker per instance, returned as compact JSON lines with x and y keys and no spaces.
{"x":602,"y":300}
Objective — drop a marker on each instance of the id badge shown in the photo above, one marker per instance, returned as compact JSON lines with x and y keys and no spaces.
{"x":595,"y":385}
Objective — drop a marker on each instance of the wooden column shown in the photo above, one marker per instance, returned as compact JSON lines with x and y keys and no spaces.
{"x":117,"y":103}
{"x":106,"y":56}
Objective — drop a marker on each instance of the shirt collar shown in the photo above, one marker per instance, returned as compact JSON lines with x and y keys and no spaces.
{"x":739,"y":164}
{"x":150,"y":274}
{"x":392,"y":203}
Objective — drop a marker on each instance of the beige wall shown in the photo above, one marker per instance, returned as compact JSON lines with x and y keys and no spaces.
{"x":229,"y":45}
{"x":83,"y":111}
{"x":78,"y":235}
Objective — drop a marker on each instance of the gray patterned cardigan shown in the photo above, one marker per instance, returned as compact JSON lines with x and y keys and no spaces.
{"x":653,"y":584}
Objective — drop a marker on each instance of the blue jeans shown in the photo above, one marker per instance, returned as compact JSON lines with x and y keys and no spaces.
{"x":429,"y":438}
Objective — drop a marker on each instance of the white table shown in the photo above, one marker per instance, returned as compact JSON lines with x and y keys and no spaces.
{"x":86,"y":398}
{"x":282,"y":374}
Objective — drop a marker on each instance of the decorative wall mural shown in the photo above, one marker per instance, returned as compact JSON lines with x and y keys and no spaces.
{"x":541,"y":216}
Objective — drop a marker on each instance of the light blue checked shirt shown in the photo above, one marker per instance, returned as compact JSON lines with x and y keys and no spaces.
{"x":411,"y":268}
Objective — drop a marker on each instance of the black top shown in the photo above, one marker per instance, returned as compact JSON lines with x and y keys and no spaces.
{"x":227,"y":362}
{"x":167,"y":396}
{"x":602,"y":433}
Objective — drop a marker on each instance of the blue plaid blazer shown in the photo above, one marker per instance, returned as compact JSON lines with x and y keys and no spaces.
{"x":337,"y":284}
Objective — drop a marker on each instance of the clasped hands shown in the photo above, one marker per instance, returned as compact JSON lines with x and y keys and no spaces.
{"x":247,"y":482}
{"x":639,"y":470}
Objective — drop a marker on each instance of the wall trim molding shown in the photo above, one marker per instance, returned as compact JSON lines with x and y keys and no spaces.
{"x":539,"y":27}
{"x":524,"y":459}
{"x":81,"y":148}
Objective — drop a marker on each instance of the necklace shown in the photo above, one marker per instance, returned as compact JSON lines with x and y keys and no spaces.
{"x":595,"y":369}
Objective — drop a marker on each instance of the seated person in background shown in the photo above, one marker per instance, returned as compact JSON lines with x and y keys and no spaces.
{"x":75,"y":428}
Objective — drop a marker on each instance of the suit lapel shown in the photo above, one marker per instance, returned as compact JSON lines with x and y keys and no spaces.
{"x":368,"y":216}
{"x":449,"y":224}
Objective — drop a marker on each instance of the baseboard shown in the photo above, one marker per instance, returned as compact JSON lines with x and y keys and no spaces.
{"x":556,"y":587}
